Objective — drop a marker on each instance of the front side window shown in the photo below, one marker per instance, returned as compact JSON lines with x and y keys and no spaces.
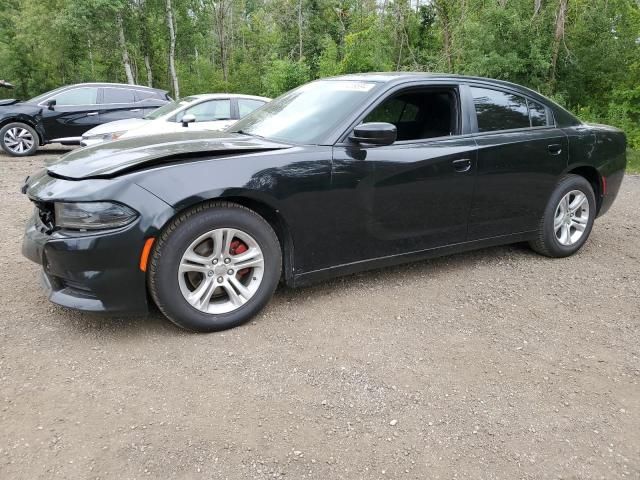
{"x":77,"y":96}
{"x":117,"y":95}
{"x":419,"y":114}
{"x":248,"y":105}
{"x":209,"y":111}
{"x":496,"y":110}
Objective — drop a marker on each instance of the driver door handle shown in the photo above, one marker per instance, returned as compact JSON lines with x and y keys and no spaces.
{"x":462,"y":165}
{"x":555,"y":149}
{"x":91,"y":114}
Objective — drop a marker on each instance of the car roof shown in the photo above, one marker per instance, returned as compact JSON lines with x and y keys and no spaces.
{"x":400,"y":77}
{"x":114,"y":85}
{"x":201,"y":96}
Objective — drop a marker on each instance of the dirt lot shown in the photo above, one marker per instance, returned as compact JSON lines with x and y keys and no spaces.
{"x":492,"y":364}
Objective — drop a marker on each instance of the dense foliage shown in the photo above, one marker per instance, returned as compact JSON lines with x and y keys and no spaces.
{"x":584,"y":53}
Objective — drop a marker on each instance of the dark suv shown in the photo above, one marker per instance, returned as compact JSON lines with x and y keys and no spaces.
{"x":64,"y":114}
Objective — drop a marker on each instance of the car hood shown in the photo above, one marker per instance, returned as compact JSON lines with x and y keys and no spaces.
{"x":117,"y":126}
{"x":9,"y":101}
{"x":110,"y":159}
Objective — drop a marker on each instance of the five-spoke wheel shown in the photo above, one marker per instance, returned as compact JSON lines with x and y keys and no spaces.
{"x":567,"y":219}
{"x":221,"y":270}
{"x":214,"y":267}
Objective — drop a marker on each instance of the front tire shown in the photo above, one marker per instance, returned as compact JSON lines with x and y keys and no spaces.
{"x":568,"y":218}
{"x":214,"y":267}
{"x":19,"y":139}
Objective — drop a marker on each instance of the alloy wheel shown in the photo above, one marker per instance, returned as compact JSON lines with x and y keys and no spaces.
{"x":18,"y":140}
{"x":221,"y":270}
{"x":571,"y":218}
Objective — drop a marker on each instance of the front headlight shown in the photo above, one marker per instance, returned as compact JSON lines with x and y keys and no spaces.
{"x":114,"y":135}
{"x":105,"y":137}
{"x":92,"y":215}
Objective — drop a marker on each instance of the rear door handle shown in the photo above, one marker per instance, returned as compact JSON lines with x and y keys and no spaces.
{"x":555,"y":149}
{"x":462,"y":165}
{"x":91,"y":114}
{"x":135,"y":110}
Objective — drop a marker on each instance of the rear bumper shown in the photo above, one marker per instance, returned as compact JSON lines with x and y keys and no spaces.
{"x":96,"y":273}
{"x":614,"y":180}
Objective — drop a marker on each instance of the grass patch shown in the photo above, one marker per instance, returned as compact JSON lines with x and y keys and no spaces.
{"x":633,"y":161}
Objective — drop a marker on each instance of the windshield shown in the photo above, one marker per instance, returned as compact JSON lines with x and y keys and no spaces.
{"x":308,"y":113}
{"x":169,"y":107}
{"x":45,"y":95}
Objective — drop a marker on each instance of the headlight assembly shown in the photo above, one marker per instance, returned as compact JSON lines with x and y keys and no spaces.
{"x":92,"y":215}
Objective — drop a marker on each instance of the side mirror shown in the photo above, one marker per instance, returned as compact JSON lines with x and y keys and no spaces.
{"x":187,"y":119}
{"x":375,"y":133}
{"x":51,"y":103}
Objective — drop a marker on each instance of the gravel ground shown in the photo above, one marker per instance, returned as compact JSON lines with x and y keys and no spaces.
{"x":492,"y":364}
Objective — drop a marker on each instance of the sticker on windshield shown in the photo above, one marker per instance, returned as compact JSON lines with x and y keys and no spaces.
{"x":354,"y":86}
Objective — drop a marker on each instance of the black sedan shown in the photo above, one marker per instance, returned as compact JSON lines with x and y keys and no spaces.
{"x":64,"y":114}
{"x":337,"y":176}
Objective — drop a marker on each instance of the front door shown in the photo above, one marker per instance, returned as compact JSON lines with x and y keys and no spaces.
{"x":74,"y":112}
{"x":412,"y":195}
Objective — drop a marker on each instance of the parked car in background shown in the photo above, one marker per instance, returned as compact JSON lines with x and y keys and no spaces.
{"x":213,"y":111}
{"x":337,"y":176}
{"x":64,"y":114}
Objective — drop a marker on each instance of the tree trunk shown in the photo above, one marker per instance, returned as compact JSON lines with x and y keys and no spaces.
{"x":147,"y":65}
{"x":172,"y":50}
{"x":93,"y":70}
{"x":300,"y":30}
{"x":126,"y":61}
{"x":537,"y":6}
{"x":561,"y":18}
{"x":220,"y":14}
{"x":442,"y":10}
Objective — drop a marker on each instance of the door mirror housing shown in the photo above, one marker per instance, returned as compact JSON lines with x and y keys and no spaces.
{"x":51,"y":103}
{"x":375,"y":133}
{"x":187,"y":119}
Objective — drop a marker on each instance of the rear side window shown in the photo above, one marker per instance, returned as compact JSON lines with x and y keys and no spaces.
{"x":247,"y":105}
{"x":498,"y":110}
{"x":145,"y":95}
{"x":538,"y":114}
{"x":117,"y":95}
{"x":77,"y":96}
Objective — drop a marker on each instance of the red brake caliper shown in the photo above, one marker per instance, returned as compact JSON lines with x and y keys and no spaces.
{"x":236,"y":248}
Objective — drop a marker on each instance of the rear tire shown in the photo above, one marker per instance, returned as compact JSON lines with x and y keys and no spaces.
{"x":197,"y":277}
{"x":568,"y":218}
{"x":19,"y":139}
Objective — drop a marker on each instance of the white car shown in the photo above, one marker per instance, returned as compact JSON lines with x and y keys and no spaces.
{"x":213,"y":111}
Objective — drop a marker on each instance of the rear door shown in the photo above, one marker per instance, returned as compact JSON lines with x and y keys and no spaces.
{"x":118,"y":104}
{"x":76,"y":111}
{"x":150,"y":100}
{"x":521,"y":153}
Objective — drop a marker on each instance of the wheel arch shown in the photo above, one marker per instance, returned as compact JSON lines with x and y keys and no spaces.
{"x":594,"y":177}
{"x":271,"y":214}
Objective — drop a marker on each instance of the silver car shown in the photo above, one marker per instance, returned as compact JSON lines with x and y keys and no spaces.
{"x":213,"y":111}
